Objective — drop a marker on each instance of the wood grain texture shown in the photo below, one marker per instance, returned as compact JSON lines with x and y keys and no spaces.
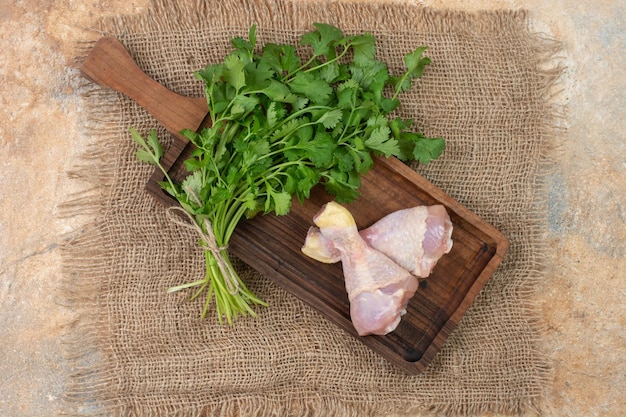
{"x":271,"y":244}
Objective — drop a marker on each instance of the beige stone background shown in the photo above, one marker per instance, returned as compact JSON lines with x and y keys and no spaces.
{"x":583,"y":297}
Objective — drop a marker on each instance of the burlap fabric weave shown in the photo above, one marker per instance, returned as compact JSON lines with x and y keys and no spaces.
{"x":137,"y":350}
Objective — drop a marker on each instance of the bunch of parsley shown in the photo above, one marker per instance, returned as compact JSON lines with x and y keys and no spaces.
{"x":280,"y":126}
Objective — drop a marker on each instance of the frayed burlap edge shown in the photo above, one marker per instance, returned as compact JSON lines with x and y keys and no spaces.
{"x":85,"y":258}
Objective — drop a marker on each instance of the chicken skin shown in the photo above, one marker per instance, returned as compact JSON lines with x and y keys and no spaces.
{"x":378,"y":288}
{"x":415,"y":238}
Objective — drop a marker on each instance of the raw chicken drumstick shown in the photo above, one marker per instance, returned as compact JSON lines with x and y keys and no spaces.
{"x":415,"y":238}
{"x":378,"y":288}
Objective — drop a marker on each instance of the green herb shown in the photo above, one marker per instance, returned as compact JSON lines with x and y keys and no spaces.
{"x":280,"y":126}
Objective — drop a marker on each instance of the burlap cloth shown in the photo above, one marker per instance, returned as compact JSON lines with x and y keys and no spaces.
{"x":136,"y":350}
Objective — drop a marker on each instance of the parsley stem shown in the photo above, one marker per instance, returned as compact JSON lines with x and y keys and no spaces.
{"x":330,"y":61}
{"x":208,"y":91}
{"x":347,"y":124}
{"x":288,"y":78}
{"x":167,"y":178}
{"x":306,"y":68}
{"x":296,"y":114}
{"x":234,"y":216}
{"x":398,"y":87}
{"x":185,"y":286}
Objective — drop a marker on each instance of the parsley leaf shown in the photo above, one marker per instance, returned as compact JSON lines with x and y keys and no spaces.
{"x":323,"y":39}
{"x":427,"y":149}
{"x":330,"y":73}
{"x":321,"y":149}
{"x":282,"y":58}
{"x":330,"y":118}
{"x":149,"y":151}
{"x":315,"y":89}
{"x":364,"y":47}
{"x":233,"y":72}
{"x":380,"y":141}
{"x":243,"y":104}
{"x":275,"y":112}
{"x":277,"y":91}
{"x":415,"y":64}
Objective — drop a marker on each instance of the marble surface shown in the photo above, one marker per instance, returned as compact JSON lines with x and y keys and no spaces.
{"x":582,"y":299}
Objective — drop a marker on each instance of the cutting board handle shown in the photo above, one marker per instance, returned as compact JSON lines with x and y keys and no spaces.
{"x":110,"y":65}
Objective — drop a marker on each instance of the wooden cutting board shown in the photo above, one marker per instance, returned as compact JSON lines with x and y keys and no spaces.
{"x":271,"y":244}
